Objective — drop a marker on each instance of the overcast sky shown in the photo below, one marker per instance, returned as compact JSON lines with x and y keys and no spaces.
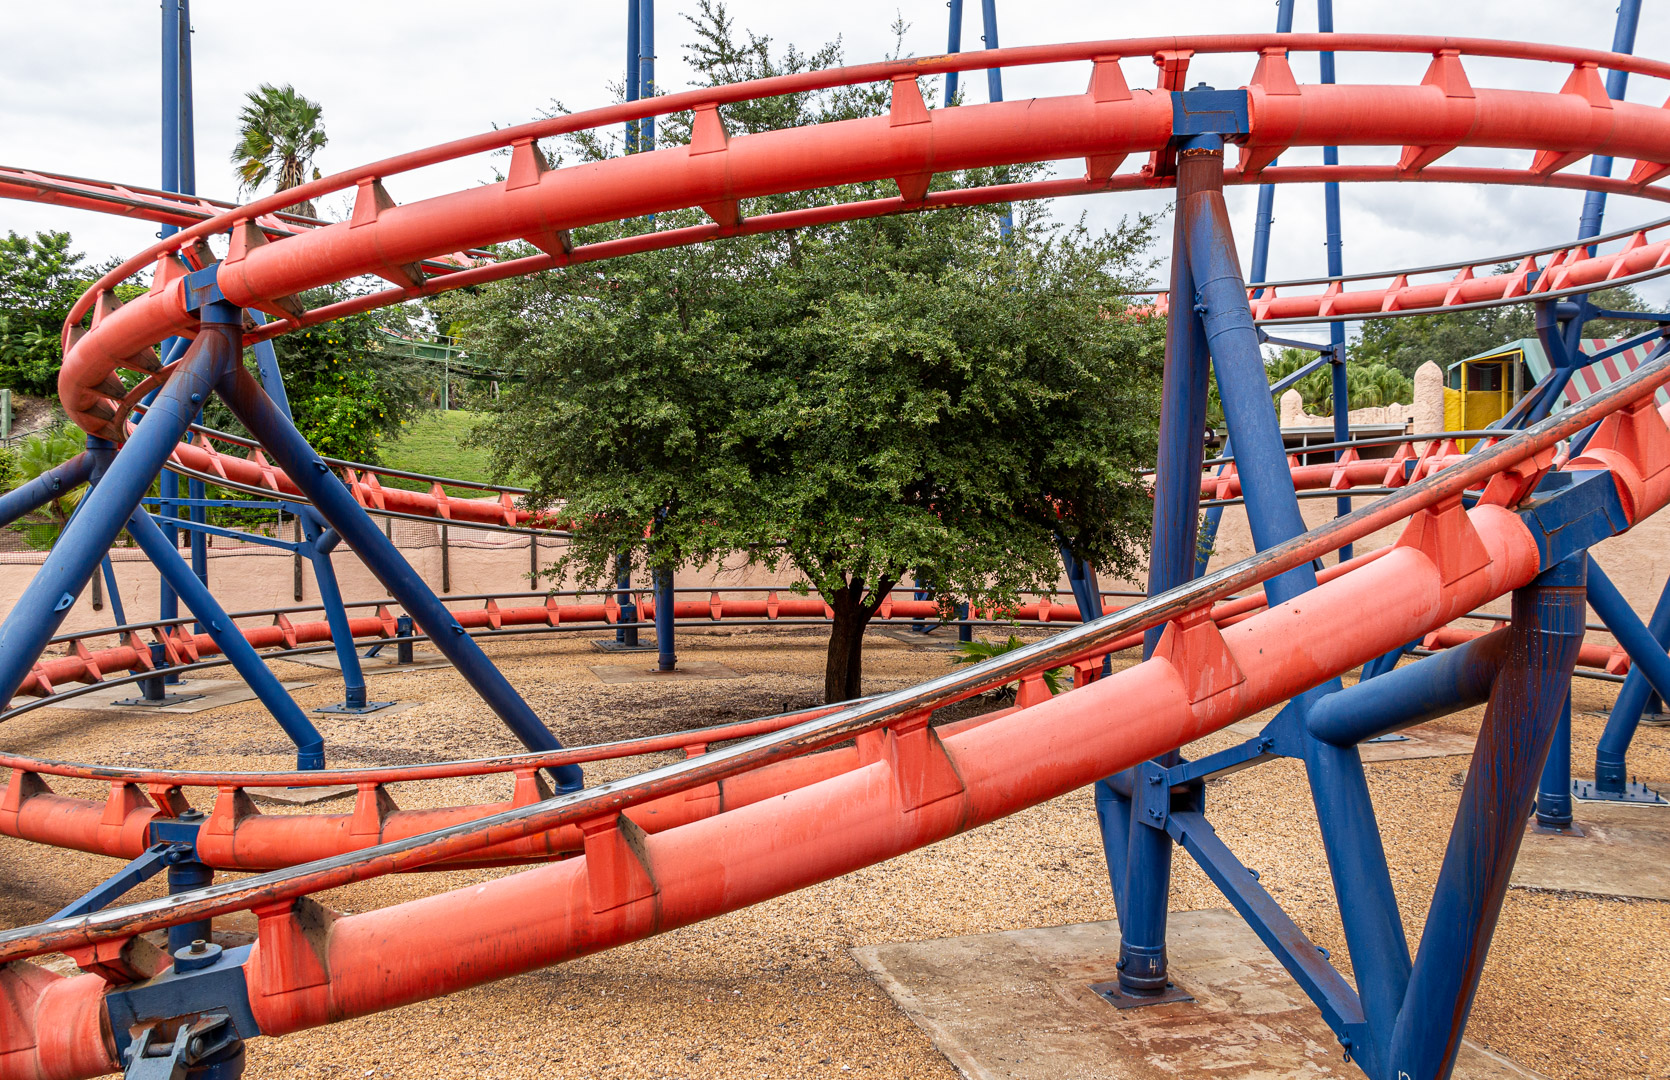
{"x":80,"y":93}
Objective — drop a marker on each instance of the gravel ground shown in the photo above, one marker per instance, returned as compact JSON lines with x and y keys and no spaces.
{"x":1575,"y":987}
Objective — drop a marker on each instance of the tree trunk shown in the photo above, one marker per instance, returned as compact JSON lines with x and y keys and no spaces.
{"x":843,"y":673}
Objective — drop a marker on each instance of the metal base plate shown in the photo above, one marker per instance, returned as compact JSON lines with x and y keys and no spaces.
{"x":1588,"y":791}
{"x":610,"y":645}
{"x":1116,"y":995}
{"x":355,"y":710}
{"x":164,"y":702}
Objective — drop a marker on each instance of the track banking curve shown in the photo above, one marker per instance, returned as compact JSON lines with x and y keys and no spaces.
{"x":901,"y":784}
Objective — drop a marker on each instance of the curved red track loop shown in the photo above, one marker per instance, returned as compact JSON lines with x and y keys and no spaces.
{"x":1158,"y":704}
{"x":1107,"y":123}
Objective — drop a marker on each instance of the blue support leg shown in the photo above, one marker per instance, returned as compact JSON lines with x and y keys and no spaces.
{"x":666,"y":659}
{"x":1554,"y":788}
{"x":310,"y":746}
{"x":1519,"y":724}
{"x":104,"y":510}
{"x":250,"y":404}
{"x":321,"y":541}
{"x":50,"y":484}
{"x":1647,"y":672}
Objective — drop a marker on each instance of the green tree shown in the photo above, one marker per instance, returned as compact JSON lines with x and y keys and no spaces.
{"x":1368,"y":384}
{"x":910,"y":394}
{"x":40,"y":279}
{"x":279,"y":131}
{"x":38,"y":453}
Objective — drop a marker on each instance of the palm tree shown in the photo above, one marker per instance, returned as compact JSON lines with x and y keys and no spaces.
{"x":279,"y":132}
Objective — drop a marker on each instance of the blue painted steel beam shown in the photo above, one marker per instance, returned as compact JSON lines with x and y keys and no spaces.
{"x":994,"y":91}
{"x":1553,"y":805}
{"x":146,"y":866}
{"x":646,"y":70}
{"x":50,"y":484}
{"x":105,"y":509}
{"x":1626,"y":711}
{"x":666,"y":658}
{"x":1338,"y":1002}
{"x":632,"y":35}
{"x":1519,"y":724}
{"x":310,"y":745}
{"x":250,"y":404}
{"x":318,"y":551}
{"x":1438,"y":685}
{"x":1623,"y":41}
{"x":953,"y":45}
{"x":1645,"y":653}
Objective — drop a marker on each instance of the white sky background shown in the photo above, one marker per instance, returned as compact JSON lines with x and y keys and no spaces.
{"x":80,"y":94}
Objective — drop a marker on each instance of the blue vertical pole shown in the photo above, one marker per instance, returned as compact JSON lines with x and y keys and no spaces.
{"x":1267,"y":192}
{"x":105,"y":509}
{"x":646,"y":70}
{"x":953,"y":45}
{"x":168,"y":605}
{"x":250,"y":404}
{"x":1554,"y":786}
{"x":1524,"y":710}
{"x":627,"y":636}
{"x":1623,"y":41}
{"x":994,"y":89}
{"x":1336,"y":267}
{"x":665,"y":658}
{"x":1172,"y":558}
{"x":631,"y":70}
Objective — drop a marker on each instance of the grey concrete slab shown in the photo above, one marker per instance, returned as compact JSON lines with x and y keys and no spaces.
{"x":944,"y":639}
{"x":300,"y":796}
{"x":1018,"y":1006}
{"x":688,"y":671}
{"x":383,"y":663}
{"x":206,"y":693}
{"x":1624,"y":850}
{"x":1418,"y":742}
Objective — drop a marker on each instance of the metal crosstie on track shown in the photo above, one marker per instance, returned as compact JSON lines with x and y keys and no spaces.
{"x":728,"y":827}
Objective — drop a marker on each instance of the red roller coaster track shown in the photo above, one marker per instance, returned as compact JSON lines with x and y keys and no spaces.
{"x":689,"y":841}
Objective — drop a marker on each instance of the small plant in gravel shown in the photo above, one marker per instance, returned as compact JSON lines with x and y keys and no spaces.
{"x":976,"y":651}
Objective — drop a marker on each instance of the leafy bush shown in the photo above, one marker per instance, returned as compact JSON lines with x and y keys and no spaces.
{"x":37,"y":454}
{"x":977,"y":651}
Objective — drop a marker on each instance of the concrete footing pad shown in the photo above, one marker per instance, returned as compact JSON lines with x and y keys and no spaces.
{"x":300,"y":796}
{"x":688,"y":671}
{"x":1624,"y":850}
{"x":1018,"y":1006}
{"x":203,"y":694}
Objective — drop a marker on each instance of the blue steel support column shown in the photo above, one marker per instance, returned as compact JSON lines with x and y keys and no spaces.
{"x":1637,"y":686}
{"x":953,"y":45}
{"x":103,"y":452}
{"x":1336,"y":267}
{"x":646,"y":70}
{"x":1518,"y":728}
{"x":1208,"y":537}
{"x":994,"y":89}
{"x":627,"y":636}
{"x":1554,"y":787}
{"x":250,"y":404}
{"x":1356,"y":856}
{"x":665,"y":658}
{"x":310,"y":745}
{"x":320,"y":543}
{"x":632,"y":35}
{"x":1267,"y":192}
{"x":1172,"y":556}
{"x":44,"y":488}
{"x":1623,"y":41}
{"x":105,"y":509}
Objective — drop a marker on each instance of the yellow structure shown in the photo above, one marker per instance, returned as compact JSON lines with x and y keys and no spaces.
{"x":1479,"y":390}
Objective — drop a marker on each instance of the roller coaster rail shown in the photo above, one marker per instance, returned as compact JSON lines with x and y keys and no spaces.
{"x":668,"y":847}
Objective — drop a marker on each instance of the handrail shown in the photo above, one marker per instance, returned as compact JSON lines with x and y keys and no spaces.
{"x":714,"y":766}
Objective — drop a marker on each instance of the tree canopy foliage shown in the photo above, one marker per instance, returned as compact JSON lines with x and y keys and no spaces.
{"x":41,"y":278}
{"x":866,"y":401}
{"x":1367,"y":384}
{"x":279,"y":131}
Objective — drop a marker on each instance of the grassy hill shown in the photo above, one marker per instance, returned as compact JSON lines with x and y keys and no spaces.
{"x":433,"y":444}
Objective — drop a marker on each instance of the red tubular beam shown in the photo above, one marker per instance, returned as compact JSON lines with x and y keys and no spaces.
{"x":1443,"y":111}
{"x":622,"y":892}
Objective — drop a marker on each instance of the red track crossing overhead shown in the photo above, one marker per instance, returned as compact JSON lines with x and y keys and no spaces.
{"x":1105,"y":125}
